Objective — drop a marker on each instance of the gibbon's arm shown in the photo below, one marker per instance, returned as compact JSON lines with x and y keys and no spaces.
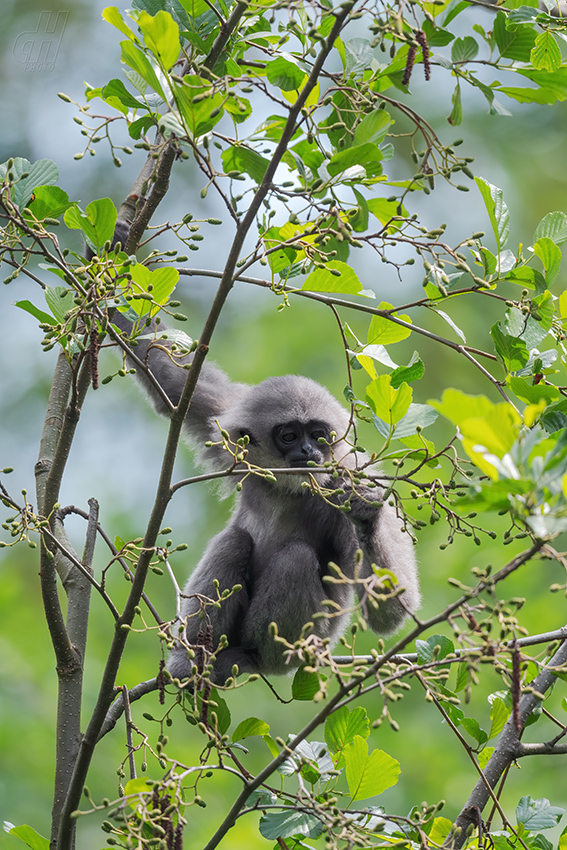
{"x":214,"y":394}
{"x":384,"y":543}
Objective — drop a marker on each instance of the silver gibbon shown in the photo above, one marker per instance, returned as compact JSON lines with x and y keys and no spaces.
{"x":282,"y":536}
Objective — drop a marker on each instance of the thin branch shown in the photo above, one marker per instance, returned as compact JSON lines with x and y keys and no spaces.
{"x":412,"y":658}
{"x":547,"y":748}
{"x":341,"y":302}
{"x":476,"y":765}
{"x":75,"y":510}
{"x":116,"y":710}
{"x":59,"y":539}
{"x":129,"y":741}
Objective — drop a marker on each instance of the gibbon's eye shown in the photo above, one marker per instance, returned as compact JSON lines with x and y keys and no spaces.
{"x":318,"y":434}
{"x":288,"y":437}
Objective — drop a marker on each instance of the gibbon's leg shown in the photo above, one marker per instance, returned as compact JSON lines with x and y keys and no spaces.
{"x":227,"y":558}
{"x":288,"y":592}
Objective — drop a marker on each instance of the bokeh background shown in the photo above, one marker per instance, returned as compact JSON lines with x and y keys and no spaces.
{"x":119,"y":442}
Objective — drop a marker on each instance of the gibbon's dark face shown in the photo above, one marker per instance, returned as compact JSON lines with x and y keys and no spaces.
{"x":298,"y":442}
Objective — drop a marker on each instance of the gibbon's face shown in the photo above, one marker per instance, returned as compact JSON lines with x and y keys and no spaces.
{"x":298,"y":442}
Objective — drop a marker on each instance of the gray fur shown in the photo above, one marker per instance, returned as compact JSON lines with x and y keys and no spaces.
{"x":281,"y":537}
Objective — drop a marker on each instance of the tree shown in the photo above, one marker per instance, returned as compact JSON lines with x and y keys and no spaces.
{"x":291,"y":119}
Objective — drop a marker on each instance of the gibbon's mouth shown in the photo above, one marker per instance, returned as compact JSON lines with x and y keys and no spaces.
{"x":302,"y":462}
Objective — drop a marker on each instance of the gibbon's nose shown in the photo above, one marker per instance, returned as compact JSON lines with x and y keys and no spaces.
{"x":303,"y":453}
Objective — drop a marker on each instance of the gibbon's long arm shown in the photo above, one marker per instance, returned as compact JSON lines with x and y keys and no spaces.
{"x":214,"y":394}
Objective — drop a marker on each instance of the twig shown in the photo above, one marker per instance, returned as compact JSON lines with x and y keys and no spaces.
{"x":129,"y":741}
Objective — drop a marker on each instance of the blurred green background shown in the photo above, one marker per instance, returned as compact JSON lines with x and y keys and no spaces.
{"x":119,"y":441}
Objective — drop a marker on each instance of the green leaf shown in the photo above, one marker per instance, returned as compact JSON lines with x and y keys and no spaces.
{"x":322,"y":280}
{"x":472,"y":726}
{"x":526,"y":95}
{"x":342,"y":726}
{"x":218,"y":707}
{"x":531,"y":393}
{"x":366,"y":155}
{"x":160,"y":283}
{"x":546,"y":55}
{"x":34,"y":311}
{"x":239,"y":108}
{"x":49,"y":202}
{"x":554,"y":226}
{"x":43,"y":172}
{"x":418,"y":416}
{"x":414,"y":371}
{"x":113,"y":16}
{"x":161,"y":35}
{"x":383,"y":331}
{"x":29,"y":836}
{"x":464,"y":49}
{"x":368,"y":774}
{"x":435,"y":648}
{"x":456,"y":115}
{"x":243,"y":159}
{"x":538,"y":814}
{"x":451,"y":324}
{"x":436,"y":37}
{"x":360,"y":220}
{"x":358,"y":56}
{"x":483,"y":424}
{"x":249,"y":728}
{"x":525,"y":276}
{"x":514,"y":42}
{"x":286,"y":824}
{"x":552,"y":81}
{"x":305,"y":685}
{"x":462,"y":677}
{"x":197,"y":102}
{"x":59,"y":300}
{"x":419,"y":446}
{"x":512,"y":351}
{"x":282,"y":258}
{"x":439,"y":831}
{"x":97,"y":222}
{"x":138,"y":785}
{"x":550,"y":255}
{"x":484,"y":756}
{"x":139,"y":126}
{"x":385,"y":211}
{"x":285,"y":74}
{"x":373,"y":128}
{"x":388,"y":404}
{"x":499,"y":715}
{"x":117,"y":89}
{"x":138,"y":61}
{"x":497,"y":210}
{"x":195,"y":8}
{"x":271,"y":745}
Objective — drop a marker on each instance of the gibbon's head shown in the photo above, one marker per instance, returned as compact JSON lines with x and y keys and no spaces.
{"x":284,"y":418}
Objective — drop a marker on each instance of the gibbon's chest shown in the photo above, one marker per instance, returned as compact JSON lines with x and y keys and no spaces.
{"x":274,"y":522}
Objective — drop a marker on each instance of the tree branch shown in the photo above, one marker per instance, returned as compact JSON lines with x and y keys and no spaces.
{"x":509,"y":747}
